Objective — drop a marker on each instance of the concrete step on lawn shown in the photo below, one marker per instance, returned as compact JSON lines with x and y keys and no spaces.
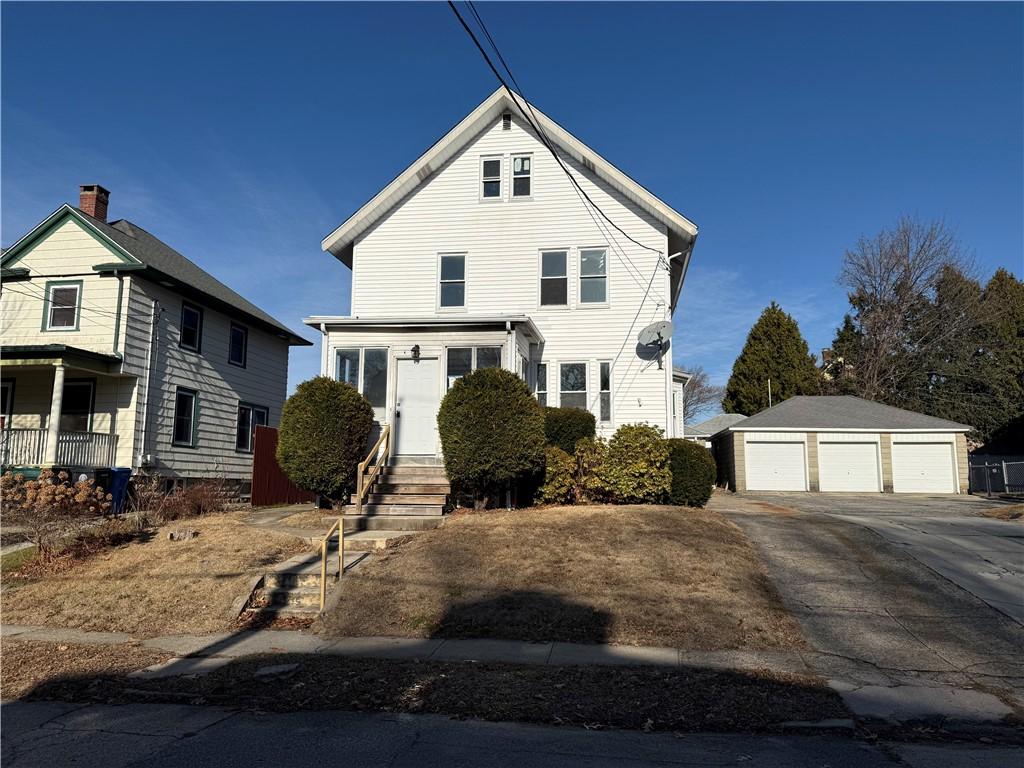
{"x":405,"y":509}
{"x":406,"y":498}
{"x":367,"y":541}
{"x":355,"y":523}
{"x":414,"y":488}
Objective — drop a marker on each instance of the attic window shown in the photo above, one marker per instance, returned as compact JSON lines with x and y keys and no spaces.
{"x":506,"y":121}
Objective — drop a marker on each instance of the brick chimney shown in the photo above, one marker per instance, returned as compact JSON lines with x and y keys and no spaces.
{"x":92,"y":198}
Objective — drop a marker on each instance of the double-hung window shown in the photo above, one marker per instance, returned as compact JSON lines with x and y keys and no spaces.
{"x":452,"y":280}
{"x":76,"y":405}
{"x":460,"y":361}
{"x":490,"y":178}
{"x":521,"y":175}
{"x":573,"y":385}
{"x":249,"y":417}
{"x":63,"y":306}
{"x":541,"y":387}
{"x":186,"y":405}
{"x":238,"y":344}
{"x":191,"y":327}
{"x":554,"y":278}
{"x":606,"y":392}
{"x":593,"y":276}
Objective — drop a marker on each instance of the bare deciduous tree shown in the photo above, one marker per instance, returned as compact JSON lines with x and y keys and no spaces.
{"x":893,"y":280}
{"x":699,"y":395}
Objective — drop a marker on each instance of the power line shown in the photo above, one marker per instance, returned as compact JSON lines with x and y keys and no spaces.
{"x":78,"y":308}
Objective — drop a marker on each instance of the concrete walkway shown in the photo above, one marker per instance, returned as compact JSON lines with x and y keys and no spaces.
{"x":46,"y":734}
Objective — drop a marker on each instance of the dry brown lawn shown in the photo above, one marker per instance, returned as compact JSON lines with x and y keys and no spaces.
{"x":1010,"y":513}
{"x":308,"y":518}
{"x":155,"y":586}
{"x":29,"y":665}
{"x":642,"y":575}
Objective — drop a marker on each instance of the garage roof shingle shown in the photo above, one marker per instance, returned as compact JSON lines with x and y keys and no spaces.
{"x":816,"y":412}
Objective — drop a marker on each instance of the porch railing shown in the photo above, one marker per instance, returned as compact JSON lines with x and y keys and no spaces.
{"x":27,"y":447}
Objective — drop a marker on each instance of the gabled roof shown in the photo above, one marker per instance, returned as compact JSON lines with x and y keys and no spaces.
{"x":714,"y":425}
{"x":137,"y":248}
{"x":844,"y":413}
{"x":341,"y":240}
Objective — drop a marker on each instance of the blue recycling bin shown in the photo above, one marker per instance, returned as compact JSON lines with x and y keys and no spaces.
{"x":118,"y":490}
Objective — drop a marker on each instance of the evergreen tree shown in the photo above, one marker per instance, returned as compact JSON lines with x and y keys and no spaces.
{"x":774,"y":350}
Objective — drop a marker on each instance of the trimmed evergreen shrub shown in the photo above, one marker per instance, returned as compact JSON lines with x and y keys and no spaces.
{"x":564,"y":427}
{"x":693,"y":473}
{"x":591,"y":454}
{"x":636,"y":468}
{"x":325,"y":428}
{"x":492,"y":433}
{"x":558,"y":477}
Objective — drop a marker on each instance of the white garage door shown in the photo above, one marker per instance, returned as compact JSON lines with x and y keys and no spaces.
{"x":848,"y":467}
{"x":922,"y":468}
{"x":775,"y":467}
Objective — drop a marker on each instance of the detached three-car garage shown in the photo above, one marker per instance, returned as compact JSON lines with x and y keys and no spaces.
{"x":842,"y":445}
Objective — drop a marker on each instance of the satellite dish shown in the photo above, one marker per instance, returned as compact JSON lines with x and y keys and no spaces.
{"x":655,"y":334}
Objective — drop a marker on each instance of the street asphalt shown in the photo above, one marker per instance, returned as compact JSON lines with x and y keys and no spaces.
{"x":50,"y":734}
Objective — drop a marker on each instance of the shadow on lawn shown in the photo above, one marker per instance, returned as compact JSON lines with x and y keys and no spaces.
{"x":524,"y":615}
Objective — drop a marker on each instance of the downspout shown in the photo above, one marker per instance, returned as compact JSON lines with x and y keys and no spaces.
{"x":117,"y":313}
{"x":154,"y":343}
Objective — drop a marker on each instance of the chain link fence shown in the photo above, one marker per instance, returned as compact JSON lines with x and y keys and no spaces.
{"x":990,"y":474}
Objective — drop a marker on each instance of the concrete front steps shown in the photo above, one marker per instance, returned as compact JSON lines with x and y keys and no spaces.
{"x":293,"y":587}
{"x":407,"y":490}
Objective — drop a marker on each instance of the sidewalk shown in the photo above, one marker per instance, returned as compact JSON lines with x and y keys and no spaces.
{"x":879,"y":699}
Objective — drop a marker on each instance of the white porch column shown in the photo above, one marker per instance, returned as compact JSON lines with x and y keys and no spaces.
{"x":53,"y":425}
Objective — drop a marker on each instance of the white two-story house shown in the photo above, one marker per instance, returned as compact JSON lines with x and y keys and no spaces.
{"x":483,"y":253}
{"x":117,"y":351}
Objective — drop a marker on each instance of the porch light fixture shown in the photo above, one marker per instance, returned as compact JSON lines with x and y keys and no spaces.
{"x":415,"y":352}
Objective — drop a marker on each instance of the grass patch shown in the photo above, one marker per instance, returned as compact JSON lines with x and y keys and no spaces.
{"x":12,"y":561}
{"x":1010,"y":512}
{"x":28,"y":665}
{"x":641,"y":698}
{"x":309,"y":518}
{"x":640,"y":575}
{"x":154,"y":586}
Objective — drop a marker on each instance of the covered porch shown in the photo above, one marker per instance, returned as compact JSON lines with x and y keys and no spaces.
{"x":64,"y":407}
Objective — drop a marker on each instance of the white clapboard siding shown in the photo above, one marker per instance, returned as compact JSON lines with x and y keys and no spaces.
{"x":395,"y":265}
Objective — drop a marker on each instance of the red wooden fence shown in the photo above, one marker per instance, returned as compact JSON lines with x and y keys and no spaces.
{"x":269,"y":484}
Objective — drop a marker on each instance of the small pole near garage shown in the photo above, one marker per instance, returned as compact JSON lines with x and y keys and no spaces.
{"x":769,"y":393}
{"x":1006,"y":479}
{"x":988,"y":481}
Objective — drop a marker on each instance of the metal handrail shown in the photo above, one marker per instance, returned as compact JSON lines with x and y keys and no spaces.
{"x":340,"y":528}
{"x":364,"y":484}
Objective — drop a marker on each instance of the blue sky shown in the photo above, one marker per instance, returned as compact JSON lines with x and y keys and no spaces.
{"x":241,"y":134}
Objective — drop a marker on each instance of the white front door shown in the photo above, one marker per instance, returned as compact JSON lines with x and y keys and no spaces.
{"x":848,"y":467}
{"x":923,"y":468}
{"x":775,"y":466}
{"x":416,"y":401}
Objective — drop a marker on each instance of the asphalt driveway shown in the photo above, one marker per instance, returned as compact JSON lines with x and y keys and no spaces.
{"x":866,"y":577}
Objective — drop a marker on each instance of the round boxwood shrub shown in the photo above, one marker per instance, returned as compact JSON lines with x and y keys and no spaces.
{"x":564,"y":427}
{"x":636,"y":467}
{"x":325,"y":428}
{"x":559,"y":468}
{"x":492,"y":433}
{"x":693,"y":473}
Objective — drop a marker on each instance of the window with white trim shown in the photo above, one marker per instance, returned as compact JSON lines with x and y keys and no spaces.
{"x":490,"y":178}
{"x":605,"y":386}
{"x":541,"y":387}
{"x":522,"y":180}
{"x":572,"y":383}
{"x":460,"y":361}
{"x":62,"y":305}
{"x":365,"y":369}
{"x":249,"y":417}
{"x":452,"y":280}
{"x":593,"y":276}
{"x":346,"y":366}
{"x":76,"y":405}
{"x":554,"y":278}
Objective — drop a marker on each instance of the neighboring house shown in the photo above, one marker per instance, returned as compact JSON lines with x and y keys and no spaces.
{"x":120,"y":352}
{"x":842,"y":443}
{"x":703,"y":432}
{"x":483,"y":253}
